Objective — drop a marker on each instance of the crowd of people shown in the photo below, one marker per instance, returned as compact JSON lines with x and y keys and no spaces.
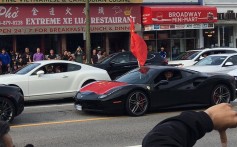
{"x":12,"y":61}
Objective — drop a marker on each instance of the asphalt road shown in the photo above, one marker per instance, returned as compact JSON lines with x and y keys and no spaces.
{"x":62,"y":126}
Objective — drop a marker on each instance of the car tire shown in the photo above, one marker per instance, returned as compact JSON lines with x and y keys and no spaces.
{"x":137,"y":103}
{"x":220,"y":94}
{"x":7,"y":110}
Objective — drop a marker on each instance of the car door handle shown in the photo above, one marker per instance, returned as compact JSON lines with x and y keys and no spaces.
{"x":65,"y":76}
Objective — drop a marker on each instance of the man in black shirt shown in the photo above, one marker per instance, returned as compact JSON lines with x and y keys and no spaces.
{"x":27,"y":56}
{"x":184,"y":130}
{"x":52,"y":56}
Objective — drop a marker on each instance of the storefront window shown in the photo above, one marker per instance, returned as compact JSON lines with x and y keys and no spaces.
{"x":30,"y":41}
{"x":177,"y":34}
{"x":6,"y":42}
{"x":150,"y":38}
{"x":73,"y":41}
{"x":226,"y":36}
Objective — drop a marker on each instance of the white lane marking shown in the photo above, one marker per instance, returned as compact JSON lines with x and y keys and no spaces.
{"x":48,"y":106}
{"x":135,"y":146}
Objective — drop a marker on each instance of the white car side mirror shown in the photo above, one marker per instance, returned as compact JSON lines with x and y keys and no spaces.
{"x":229,"y":64}
{"x":39,"y":73}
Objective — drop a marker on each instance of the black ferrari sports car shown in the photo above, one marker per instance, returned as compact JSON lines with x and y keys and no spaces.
{"x":11,"y":102}
{"x":156,"y":87}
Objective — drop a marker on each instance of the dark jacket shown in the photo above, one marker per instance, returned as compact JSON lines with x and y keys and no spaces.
{"x":5,"y":58}
{"x":179,"y":131}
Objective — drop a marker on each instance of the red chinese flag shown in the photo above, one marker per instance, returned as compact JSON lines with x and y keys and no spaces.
{"x":138,"y":45}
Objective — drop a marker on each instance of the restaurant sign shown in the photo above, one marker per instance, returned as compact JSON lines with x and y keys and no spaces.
{"x":31,"y":19}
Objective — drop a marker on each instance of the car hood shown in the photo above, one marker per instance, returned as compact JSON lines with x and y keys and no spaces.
{"x":9,"y":78}
{"x":181,"y":62}
{"x":205,"y":68}
{"x":102,"y":87}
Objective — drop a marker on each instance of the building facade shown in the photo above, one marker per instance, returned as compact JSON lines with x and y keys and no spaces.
{"x":60,"y":24}
{"x":225,"y":32}
{"x":176,"y":26}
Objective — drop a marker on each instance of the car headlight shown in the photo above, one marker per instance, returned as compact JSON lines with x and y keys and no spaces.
{"x":78,"y":95}
{"x":103,"y":96}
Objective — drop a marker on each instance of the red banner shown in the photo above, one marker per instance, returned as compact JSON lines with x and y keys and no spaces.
{"x":47,"y":17}
{"x":178,"y":14}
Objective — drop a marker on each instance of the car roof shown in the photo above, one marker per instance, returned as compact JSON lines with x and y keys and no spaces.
{"x":227,"y":54}
{"x":209,"y":49}
{"x":54,"y":61}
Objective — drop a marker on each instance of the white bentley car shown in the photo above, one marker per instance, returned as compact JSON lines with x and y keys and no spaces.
{"x":53,"y":79}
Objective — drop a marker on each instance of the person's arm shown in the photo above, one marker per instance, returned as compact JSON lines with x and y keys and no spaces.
{"x":34,"y":57}
{"x":184,"y":130}
{"x":8,"y":60}
{"x":181,"y":131}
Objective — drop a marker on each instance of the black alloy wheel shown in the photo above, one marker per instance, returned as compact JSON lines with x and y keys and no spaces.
{"x":221,"y":94}
{"x":137,"y":103}
{"x":7,"y":110}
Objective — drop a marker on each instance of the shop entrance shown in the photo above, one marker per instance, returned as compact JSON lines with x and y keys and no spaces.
{"x":118,"y":41}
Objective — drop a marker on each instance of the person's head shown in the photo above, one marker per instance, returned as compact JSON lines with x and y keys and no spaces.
{"x":99,"y":52}
{"x":104,"y":54}
{"x":94,"y":51}
{"x":3,"y":51}
{"x":20,"y":59}
{"x":57,"y":69}
{"x":162,"y":48}
{"x":51,"y":52}
{"x":5,"y":138}
{"x":38,"y":50}
{"x":27,"y":50}
{"x":79,"y":48}
{"x":204,"y":55}
{"x":49,"y":69}
{"x":69,"y":53}
{"x":65,"y":52}
{"x":168,"y":75}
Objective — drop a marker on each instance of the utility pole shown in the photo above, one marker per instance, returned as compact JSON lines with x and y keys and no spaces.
{"x":88,"y":37}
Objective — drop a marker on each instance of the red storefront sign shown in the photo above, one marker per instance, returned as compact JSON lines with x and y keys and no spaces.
{"x":178,"y":14}
{"x":43,"y":19}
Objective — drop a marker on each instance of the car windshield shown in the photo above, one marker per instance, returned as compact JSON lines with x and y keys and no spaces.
{"x":138,"y":76}
{"x":105,"y":59}
{"x":187,"y":55}
{"x":27,"y":68}
{"x":211,"y":60}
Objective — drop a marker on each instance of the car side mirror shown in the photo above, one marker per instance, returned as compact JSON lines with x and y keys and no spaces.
{"x":40,"y":73}
{"x":162,"y":82}
{"x":111,"y":63}
{"x":229,"y":64}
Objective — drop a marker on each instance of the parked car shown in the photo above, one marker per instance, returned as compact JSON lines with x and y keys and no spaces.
{"x":119,"y":63}
{"x":221,"y":63}
{"x":148,"y":88}
{"x":11,"y":102}
{"x":52,"y":79}
{"x":190,"y":57}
